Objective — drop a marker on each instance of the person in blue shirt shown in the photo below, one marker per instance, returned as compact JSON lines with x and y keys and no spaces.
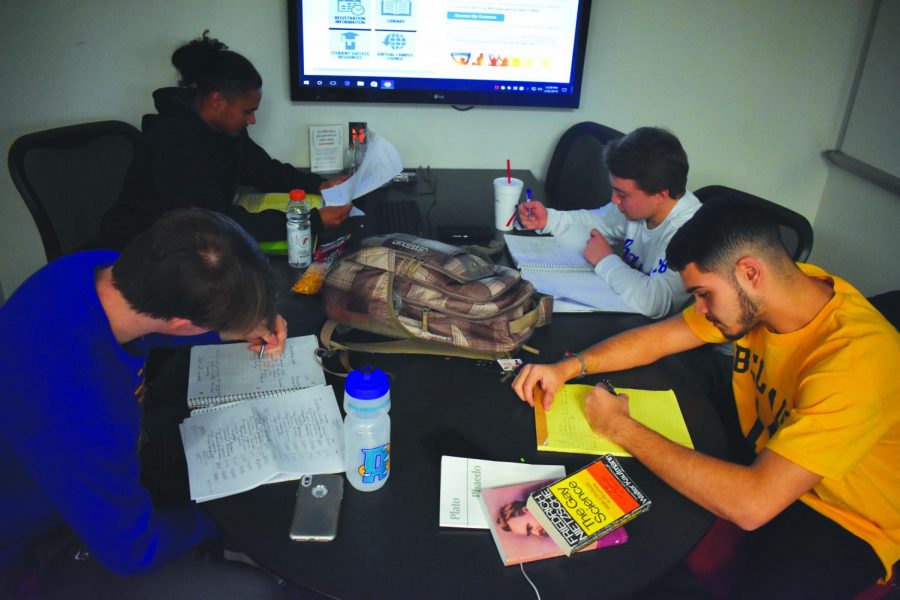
{"x":74,"y":339}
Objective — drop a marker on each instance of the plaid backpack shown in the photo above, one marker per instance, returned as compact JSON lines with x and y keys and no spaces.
{"x":434,"y":297}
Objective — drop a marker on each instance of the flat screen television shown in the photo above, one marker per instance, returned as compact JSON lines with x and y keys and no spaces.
{"x":460,"y":52}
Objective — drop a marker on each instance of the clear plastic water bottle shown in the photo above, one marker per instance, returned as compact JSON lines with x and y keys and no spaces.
{"x":299,"y":235}
{"x":367,"y":428}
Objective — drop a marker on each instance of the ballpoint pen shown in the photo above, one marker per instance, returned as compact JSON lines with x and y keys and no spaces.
{"x":608,"y":386}
{"x":516,"y":210}
{"x":262,"y":348}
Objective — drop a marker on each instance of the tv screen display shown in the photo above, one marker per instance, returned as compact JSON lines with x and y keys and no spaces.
{"x":460,"y":52}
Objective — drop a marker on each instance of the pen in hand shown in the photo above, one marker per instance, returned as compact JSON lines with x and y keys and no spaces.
{"x":608,"y":386}
{"x":262,"y":348}
{"x":528,"y":200}
{"x":516,"y":211}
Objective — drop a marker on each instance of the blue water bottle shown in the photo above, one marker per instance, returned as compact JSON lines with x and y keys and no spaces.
{"x":367,"y":428}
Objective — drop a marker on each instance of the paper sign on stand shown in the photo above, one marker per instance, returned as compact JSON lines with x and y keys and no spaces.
{"x":326,"y":147}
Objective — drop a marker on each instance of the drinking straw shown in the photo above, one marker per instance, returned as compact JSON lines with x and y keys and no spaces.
{"x":508,"y":173}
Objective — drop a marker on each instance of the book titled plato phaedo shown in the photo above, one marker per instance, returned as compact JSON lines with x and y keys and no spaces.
{"x":588,"y":504}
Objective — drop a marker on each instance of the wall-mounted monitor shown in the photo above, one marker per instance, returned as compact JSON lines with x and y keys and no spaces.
{"x":460,"y":52}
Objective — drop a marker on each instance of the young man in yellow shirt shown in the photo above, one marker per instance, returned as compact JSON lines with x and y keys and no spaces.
{"x":816,"y":389}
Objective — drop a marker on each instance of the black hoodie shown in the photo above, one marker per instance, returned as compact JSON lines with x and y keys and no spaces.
{"x":184,"y":162}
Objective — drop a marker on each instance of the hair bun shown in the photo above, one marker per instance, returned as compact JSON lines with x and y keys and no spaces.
{"x":206,"y":65}
{"x":196,"y":58}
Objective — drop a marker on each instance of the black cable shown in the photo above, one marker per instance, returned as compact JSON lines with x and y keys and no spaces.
{"x":429,"y":178}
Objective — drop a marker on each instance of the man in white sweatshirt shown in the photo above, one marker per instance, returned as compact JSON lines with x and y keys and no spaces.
{"x":648,"y":171}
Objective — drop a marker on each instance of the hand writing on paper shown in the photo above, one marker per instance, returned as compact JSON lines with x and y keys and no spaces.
{"x":532,"y":215}
{"x":548,"y":377}
{"x":273,"y":337}
{"x":605,"y":411}
{"x":597,"y":248}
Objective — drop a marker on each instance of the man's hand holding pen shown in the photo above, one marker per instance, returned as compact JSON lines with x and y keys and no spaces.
{"x":265,"y":339}
{"x":532,"y":215}
{"x":605,"y":410}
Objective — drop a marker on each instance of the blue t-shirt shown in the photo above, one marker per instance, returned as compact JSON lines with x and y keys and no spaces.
{"x":70,"y":424}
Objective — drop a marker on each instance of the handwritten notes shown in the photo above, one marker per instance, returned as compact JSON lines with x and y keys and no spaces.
{"x":221,"y":373}
{"x":565,"y":428}
{"x":246,"y":444}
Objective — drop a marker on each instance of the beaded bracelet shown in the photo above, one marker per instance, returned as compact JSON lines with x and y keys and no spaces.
{"x":581,"y":361}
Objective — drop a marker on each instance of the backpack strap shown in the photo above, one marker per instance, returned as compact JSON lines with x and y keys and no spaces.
{"x":407,"y":346}
{"x":539,"y":316}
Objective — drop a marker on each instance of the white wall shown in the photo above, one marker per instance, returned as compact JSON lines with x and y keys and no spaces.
{"x":856,"y":233}
{"x":755,"y":90}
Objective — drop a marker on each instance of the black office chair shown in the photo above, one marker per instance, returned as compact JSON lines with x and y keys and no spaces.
{"x":888,"y":304}
{"x":576,"y":177}
{"x":796,"y":232}
{"x":69,"y":177}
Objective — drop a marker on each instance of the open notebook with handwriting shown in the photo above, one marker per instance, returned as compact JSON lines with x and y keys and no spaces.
{"x":222,"y":374}
{"x":556,"y":266}
{"x":546,"y":253}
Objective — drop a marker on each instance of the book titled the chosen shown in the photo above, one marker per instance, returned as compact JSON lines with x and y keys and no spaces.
{"x":588,"y":504}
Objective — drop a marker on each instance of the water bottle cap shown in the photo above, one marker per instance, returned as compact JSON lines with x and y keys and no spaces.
{"x":297,"y":194}
{"x":367,"y":383}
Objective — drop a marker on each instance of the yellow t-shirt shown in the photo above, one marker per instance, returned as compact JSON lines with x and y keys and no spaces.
{"x":827,"y":397}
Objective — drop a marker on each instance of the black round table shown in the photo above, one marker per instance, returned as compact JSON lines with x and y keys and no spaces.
{"x":389,"y":544}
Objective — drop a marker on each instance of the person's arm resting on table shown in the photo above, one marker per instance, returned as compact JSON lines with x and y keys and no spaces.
{"x":632,"y":348}
{"x":748,"y":496}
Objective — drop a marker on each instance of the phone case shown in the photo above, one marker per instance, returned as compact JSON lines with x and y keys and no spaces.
{"x":317,"y":508}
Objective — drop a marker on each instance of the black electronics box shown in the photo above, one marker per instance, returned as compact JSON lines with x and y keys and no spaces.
{"x":405,"y":176}
{"x":465,"y":235}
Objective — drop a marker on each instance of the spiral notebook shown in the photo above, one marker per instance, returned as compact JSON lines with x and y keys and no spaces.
{"x":547,"y":253}
{"x":222,"y":374}
{"x":556,"y":266}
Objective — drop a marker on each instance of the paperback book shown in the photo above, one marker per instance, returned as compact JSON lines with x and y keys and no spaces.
{"x":463,"y":479}
{"x":577,"y":510}
{"x":519,"y":537}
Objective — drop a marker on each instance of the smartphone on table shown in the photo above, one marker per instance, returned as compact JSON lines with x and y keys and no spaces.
{"x":317,"y":507}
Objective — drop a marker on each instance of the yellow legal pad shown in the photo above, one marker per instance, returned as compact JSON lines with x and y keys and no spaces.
{"x":255,"y":203}
{"x":564,"y":428}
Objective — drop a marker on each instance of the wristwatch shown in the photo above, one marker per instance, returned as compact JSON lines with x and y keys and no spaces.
{"x":581,"y":362}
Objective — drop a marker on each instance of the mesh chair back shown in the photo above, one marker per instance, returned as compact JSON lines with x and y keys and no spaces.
{"x":888,"y":304}
{"x":69,"y":177}
{"x":576,"y":177}
{"x":796,"y":232}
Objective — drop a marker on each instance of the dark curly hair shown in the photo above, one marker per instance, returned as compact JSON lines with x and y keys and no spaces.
{"x":207,"y":65}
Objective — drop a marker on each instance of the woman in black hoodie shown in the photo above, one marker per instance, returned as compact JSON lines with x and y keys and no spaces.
{"x":196,"y":151}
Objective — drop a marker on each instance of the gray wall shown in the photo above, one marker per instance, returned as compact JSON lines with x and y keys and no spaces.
{"x":755,"y":90}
